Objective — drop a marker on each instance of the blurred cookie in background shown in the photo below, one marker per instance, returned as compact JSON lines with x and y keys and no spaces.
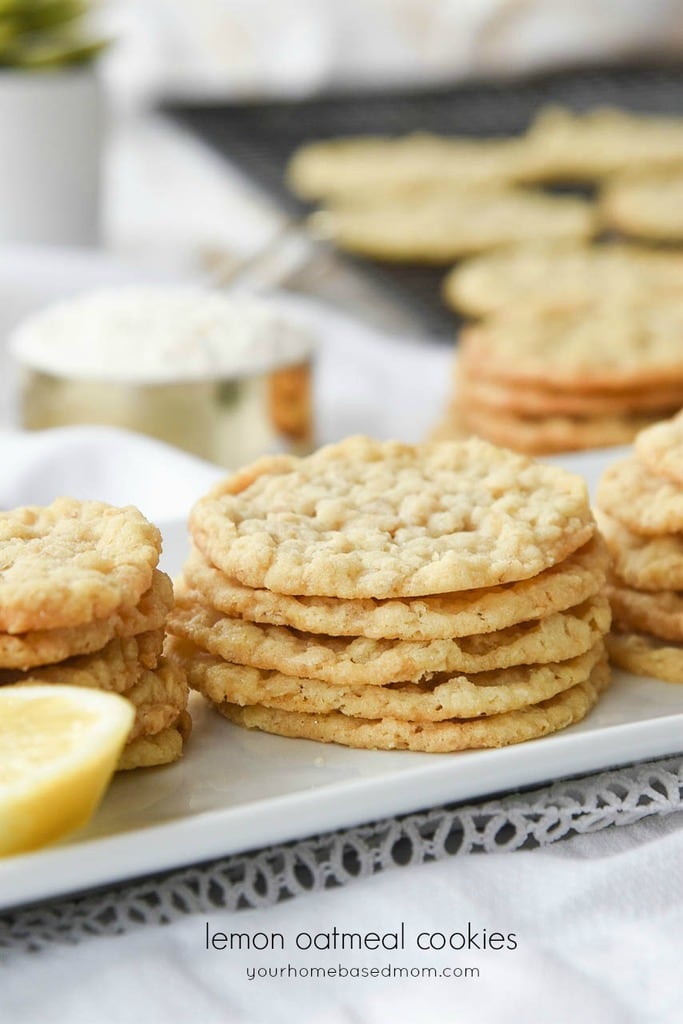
{"x":442,"y":225}
{"x":567,"y":273}
{"x":646,"y":205}
{"x":341,"y":169}
{"x":587,"y":146}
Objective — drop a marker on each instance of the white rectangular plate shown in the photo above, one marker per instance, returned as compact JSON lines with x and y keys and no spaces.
{"x":237,"y":790}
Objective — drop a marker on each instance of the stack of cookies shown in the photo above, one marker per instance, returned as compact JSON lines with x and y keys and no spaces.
{"x":555,"y":377}
{"x":640,"y":511}
{"x":82,"y":603}
{"x":434,"y":597}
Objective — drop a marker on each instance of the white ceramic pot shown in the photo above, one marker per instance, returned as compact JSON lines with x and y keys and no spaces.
{"x":51,"y":129}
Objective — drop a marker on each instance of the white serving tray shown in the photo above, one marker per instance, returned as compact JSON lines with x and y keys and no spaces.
{"x":237,"y":790}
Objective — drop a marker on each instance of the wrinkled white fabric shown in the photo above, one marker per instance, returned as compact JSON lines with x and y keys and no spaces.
{"x":256,"y":48}
{"x":597,"y":920}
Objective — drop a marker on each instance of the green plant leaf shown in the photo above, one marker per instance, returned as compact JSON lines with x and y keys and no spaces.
{"x":45,"y":34}
{"x":53,"y":13}
{"x":9,"y":33}
{"x":56,"y":54}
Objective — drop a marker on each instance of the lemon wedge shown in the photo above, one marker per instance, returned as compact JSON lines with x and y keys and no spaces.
{"x":59,"y":746}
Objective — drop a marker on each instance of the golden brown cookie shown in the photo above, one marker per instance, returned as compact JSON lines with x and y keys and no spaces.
{"x":369,"y":519}
{"x":646,"y":655}
{"x":151,"y":612}
{"x":118,"y":666}
{"x":590,"y":145}
{"x":539,"y":435}
{"x":571,"y":581}
{"x":153,"y":751}
{"x":659,"y":612}
{"x":566,"y":274}
{"x":646,"y":205}
{"x":660,"y":448}
{"x":647,"y":504}
{"x":440,"y":226}
{"x":44,"y":647}
{"x":444,"y":696}
{"x":527,"y":723}
{"x":604,"y":346}
{"x":159,"y":696}
{"x":357,"y":661}
{"x":561,"y":145}
{"x":367,"y":165}
{"x":71,"y":562}
{"x":645,"y":563}
{"x":492,"y":396}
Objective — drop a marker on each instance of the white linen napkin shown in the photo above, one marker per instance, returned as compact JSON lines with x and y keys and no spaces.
{"x":215,"y":49}
{"x":101,"y":463}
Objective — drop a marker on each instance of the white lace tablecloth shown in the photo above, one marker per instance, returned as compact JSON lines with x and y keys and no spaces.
{"x":596,"y":921}
{"x":519,"y":821}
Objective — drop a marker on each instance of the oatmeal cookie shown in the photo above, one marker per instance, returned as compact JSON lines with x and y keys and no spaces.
{"x":375,"y":519}
{"x":439,"y":616}
{"x":71,"y":562}
{"x":526,"y":723}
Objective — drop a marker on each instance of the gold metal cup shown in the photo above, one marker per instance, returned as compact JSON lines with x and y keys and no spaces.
{"x":228,"y":421}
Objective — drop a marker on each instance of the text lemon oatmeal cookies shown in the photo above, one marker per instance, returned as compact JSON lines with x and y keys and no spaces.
{"x":639,"y":511}
{"x":552,"y":376}
{"x":83,"y":603}
{"x":428,"y":597}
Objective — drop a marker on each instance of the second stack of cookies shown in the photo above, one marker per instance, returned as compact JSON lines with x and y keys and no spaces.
{"x":363,"y":649}
{"x":640,"y":512}
{"x":544,"y":378}
{"x":83,"y":603}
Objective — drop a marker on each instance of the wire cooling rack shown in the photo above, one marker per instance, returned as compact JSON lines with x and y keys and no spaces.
{"x":261,"y":137}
